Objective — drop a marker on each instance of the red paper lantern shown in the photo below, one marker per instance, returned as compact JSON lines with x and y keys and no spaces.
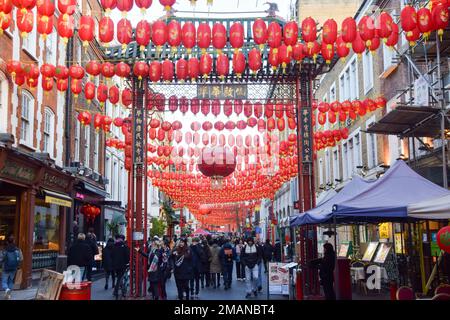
{"x":86,"y":30}
{"x":271,"y":124}
{"x":61,"y":84}
{"x":66,"y":27}
{"x":230,"y":125}
{"x":238,"y":63}
{"x":440,"y":18}
{"x":313,"y":49}
{"x":106,"y":30}
{"x":102,"y":94}
{"x":207,"y":126}
{"x":385,"y":28}
{"x":159,"y":34}
{"x":309,"y":30}
{"x":107,"y":70}
{"x":84,"y":117}
{"x":205,"y":107}
{"x":285,"y":55}
{"x":443,"y":239}
{"x":44,"y":25}
{"x":238,"y":107}
{"x":114,"y":95}
{"x":254,"y":60}
{"x":188,"y":36}
{"x":248,"y":109}
{"x":24,"y":21}
{"x":358,"y":45}
{"x":329,"y":33}
{"x":181,"y":69}
{"x":205,"y":65}
{"x":98,"y":121}
{"x":195,"y":106}
{"x":413,"y":36}
{"x":76,"y":72}
{"x":143,"y":34}
{"x":193,"y":68}
{"x":227,"y":108}
{"x":274,"y":58}
{"x":124,"y":32}
{"x":127,"y":97}
{"x":219,"y":126}
{"x":281,"y":124}
{"x":167,"y":70}
{"x":393,"y":38}
{"x":174,"y":34}
{"x":89,"y":91}
{"x":48,"y":70}
{"x":167,"y":4}
{"x":298,"y":52}
{"x":259,"y":30}
{"x":274,"y":34}
{"x":237,"y":36}
{"x":203,"y":36}
{"x":76,"y":88}
{"x":122,"y":69}
{"x":342,"y":48}
{"x":366,"y":29}
{"x":327,"y":52}
{"x":349,"y":30}
{"x":47,"y":84}
{"x":408,"y":18}
{"x":215,"y":107}
{"x":108,"y":5}
{"x":222,"y":65}
{"x":219,"y":37}
{"x":184,"y":105}
{"x":380,"y":102}
{"x":93,"y":68}
{"x":374,"y":44}
{"x":290,"y":34}
{"x":124,"y":6}
{"x":155,"y":71}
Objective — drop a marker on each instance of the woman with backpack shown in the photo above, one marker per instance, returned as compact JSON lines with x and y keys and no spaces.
{"x":154,"y":267}
{"x":166,"y":268}
{"x":11,"y":258}
{"x":183,"y":271}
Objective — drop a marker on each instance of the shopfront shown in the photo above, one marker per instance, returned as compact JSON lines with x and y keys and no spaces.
{"x":34,"y":201}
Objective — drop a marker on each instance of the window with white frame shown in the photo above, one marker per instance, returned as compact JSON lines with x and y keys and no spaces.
{"x":388,"y":56}
{"x":49,"y":130}
{"x":336,"y":174}
{"x":372,"y":159}
{"x":87,"y":145}
{"x":96,"y":150}
{"x":368,"y":71}
{"x":320,"y":171}
{"x":357,"y":149}
{"x":77,"y":139}
{"x":351,"y":157}
{"x":51,"y":47}
{"x":348,"y":81}
{"x":328,"y":166}
{"x":29,"y":42}
{"x":4,"y":94}
{"x":345,"y":159}
{"x":27,"y":117}
{"x":108,"y":173}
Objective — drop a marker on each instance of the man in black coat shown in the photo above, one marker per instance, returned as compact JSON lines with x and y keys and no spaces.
{"x":277,"y":251}
{"x":198,"y":258}
{"x":120,"y":260}
{"x":91,"y":240}
{"x":107,"y":262}
{"x":267,"y":254}
{"x":80,"y":254}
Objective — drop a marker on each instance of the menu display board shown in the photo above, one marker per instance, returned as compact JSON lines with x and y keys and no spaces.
{"x":278,"y":279}
{"x":370,"y":251}
{"x":343,"y":250}
{"x":382,"y":253}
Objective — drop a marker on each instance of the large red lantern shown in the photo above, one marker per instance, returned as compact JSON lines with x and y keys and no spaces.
{"x":5,"y":21}
{"x":102,"y":94}
{"x":259,"y":29}
{"x":327,"y":52}
{"x":222,"y":65}
{"x":106,"y":30}
{"x":349,"y":31}
{"x":174,"y":34}
{"x":182,"y":69}
{"x":366,"y":29}
{"x":329,"y":33}
{"x":113,"y":95}
{"x":143,"y":34}
{"x":193,"y":68}
{"x":341,"y":48}
{"x":309,"y":30}
{"x":195,"y":106}
{"x":84,"y":117}
{"x":290,"y":34}
{"x":66,"y":27}
{"x":393,"y":38}
{"x":167,"y":70}
{"x":127,"y":98}
{"x":93,"y":68}
{"x":217,"y":163}
{"x":188,"y":36}
{"x":237,"y":36}
{"x":408,"y":18}
{"x":215,"y":107}
{"x":413,"y":36}
{"x":203,"y":36}
{"x":385,"y":27}
{"x":155,"y":71}
{"x":238,"y":63}
{"x":140,"y":69}
{"x":107,"y":70}
{"x":238,"y":107}
{"x":122,"y":69}
{"x":274,"y":35}
{"x":254,"y":60}
{"x":24,"y":21}
{"x":44,"y":25}
{"x":167,"y":4}
{"x":205,"y":107}
{"x":108,"y":5}
{"x":374,"y":44}
{"x":76,"y":72}
{"x":6,"y":7}
{"x":89,"y":91}
{"x":124,"y":32}
{"x":48,"y":70}
{"x":285,"y":56}
{"x":159,"y":34}
{"x":313,"y":49}
{"x":358,"y":45}
{"x":274,"y":58}
{"x":440,"y":18}
{"x":219,"y":36}
{"x":124,"y":6}
{"x":86,"y":30}
{"x":76,"y":88}
{"x":425,"y":21}
{"x":205,"y":65}
{"x":61,"y":84}
{"x":443,"y":239}
{"x":298,"y":52}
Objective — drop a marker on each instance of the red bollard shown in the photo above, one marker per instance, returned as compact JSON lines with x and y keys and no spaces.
{"x":299,"y":285}
{"x":393,"y":290}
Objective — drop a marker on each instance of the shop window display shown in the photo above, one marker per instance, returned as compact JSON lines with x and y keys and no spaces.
{"x":7,"y":218}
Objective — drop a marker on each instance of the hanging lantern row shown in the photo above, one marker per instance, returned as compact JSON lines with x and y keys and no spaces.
{"x":329,"y":138}
{"x":99,"y":121}
{"x":336,"y":110}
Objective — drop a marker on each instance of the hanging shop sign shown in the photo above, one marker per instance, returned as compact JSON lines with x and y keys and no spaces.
{"x":384,"y":230}
{"x":18,"y":172}
{"x":222,"y":91}
{"x":306,"y":141}
{"x":58,"y":201}
{"x":139,"y":136}
{"x":53,"y":181}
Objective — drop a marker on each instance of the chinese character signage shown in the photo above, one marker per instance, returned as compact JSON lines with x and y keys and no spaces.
{"x":305,"y":127}
{"x":222,"y":91}
{"x":139,"y":136}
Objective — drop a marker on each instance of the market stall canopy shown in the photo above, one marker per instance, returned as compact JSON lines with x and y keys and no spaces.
{"x":200,"y":231}
{"x":389,"y":196}
{"x":323,"y":212}
{"x":325,"y":196}
{"x":436,"y":208}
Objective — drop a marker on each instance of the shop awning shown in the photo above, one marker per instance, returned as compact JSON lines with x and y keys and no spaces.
{"x":57,"y":198}
{"x":95,"y":189}
{"x":437,"y":208}
{"x":389,"y":196}
{"x":325,"y":196}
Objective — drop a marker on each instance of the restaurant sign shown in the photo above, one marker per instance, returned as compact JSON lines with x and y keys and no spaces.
{"x":306,"y":141}
{"x":222,"y":91}
{"x":17,"y":171}
{"x":52,"y":181}
{"x":139,"y":136}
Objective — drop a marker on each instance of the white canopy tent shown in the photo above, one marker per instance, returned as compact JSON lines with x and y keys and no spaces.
{"x":437,"y":208}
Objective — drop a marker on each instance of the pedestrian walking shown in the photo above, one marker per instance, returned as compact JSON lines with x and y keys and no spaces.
{"x":120,"y":260}
{"x":277,"y":251}
{"x":240,"y":268}
{"x":205,"y":277}
{"x":251,"y":256}
{"x":107,"y":263}
{"x":91,"y":240}
{"x":215,"y":266}
{"x":260,"y":249}
{"x":182,"y":259}
{"x":198,"y":258}
{"x":166,"y":267}
{"x":80,"y":254}
{"x":326,"y":270}
{"x":227,"y":256}
{"x":11,"y":257}
{"x":155,"y":275}
{"x":267,"y":254}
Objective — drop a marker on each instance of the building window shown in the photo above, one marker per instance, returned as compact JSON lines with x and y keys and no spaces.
{"x":49,"y":130}
{"x":107,"y":174}
{"x":77,"y":140}
{"x":328,"y":166}
{"x":4,"y":94}
{"x":96,"y":150}
{"x":351,"y":158}
{"x":87,"y":142}
{"x":368,"y":71}
{"x":345,"y":160}
{"x":372,"y":159}
{"x":336,"y":164}
{"x":388,"y":56}
{"x":26,"y":129}
{"x":29,"y":42}
{"x":348,"y":81}
{"x":51,"y":47}
{"x":357,"y":150}
{"x":116,"y":184}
